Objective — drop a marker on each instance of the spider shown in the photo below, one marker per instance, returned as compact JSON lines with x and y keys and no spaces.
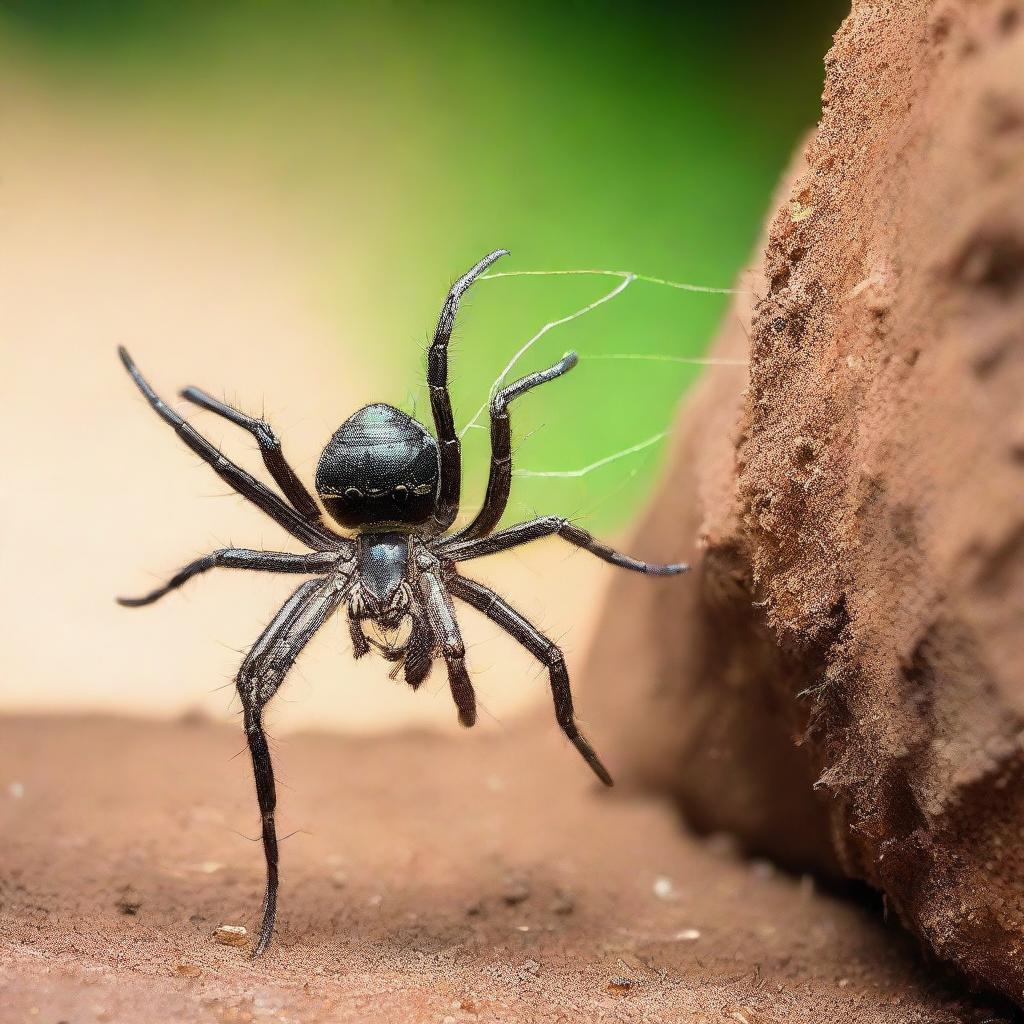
{"x":386,"y":479}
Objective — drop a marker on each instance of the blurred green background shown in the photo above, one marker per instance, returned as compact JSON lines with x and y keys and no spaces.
{"x":408,"y":139}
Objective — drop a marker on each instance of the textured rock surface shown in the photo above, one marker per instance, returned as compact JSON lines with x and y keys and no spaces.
{"x":861,"y":505}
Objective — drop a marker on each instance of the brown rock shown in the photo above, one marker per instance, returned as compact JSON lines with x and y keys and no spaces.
{"x":861,"y":506}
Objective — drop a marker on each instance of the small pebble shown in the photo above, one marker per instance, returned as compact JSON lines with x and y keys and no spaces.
{"x":563,"y":904}
{"x":688,"y":935}
{"x":187,"y":971}
{"x":17,"y":790}
{"x":128,"y":906}
{"x":742,"y":1014}
{"x":619,"y":985}
{"x":529,"y":967}
{"x":663,"y":888}
{"x":231,"y":935}
{"x":515,"y":892}
{"x":474,"y":909}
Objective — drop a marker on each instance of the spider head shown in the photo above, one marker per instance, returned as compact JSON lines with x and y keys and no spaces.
{"x":380,"y":470}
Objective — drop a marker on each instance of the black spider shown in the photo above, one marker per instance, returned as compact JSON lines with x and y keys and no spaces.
{"x":385,"y":477}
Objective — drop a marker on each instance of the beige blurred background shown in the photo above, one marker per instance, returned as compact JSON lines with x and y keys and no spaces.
{"x":112,"y":238}
{"x":270,"y":203}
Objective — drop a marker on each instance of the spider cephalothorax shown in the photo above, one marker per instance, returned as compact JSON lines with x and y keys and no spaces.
{"x":385,"y":477}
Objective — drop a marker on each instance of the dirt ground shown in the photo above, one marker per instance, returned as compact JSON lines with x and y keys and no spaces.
{"x":429,"y":878}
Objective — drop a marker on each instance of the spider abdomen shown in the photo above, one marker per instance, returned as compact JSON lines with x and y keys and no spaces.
{"x":380,"y":470}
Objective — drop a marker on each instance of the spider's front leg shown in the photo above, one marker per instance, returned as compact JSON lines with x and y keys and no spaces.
{"x":546,"y":526}
{"x":499,"y":478}
{"x":440,"y":401}
{"x":260,"y":676}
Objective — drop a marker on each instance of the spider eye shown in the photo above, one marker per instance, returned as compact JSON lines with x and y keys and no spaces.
{"x":401,"y":493}
{"x":353,"y":493}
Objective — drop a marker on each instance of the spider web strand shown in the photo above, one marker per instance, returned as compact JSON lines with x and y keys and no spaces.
{"x":584,"y":470}
{"x":679,"y":285}
{"x":685,"y":360}
{"x":617,"y":290}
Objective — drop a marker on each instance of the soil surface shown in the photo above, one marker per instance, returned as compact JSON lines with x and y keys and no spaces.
{"x":428,"y":879}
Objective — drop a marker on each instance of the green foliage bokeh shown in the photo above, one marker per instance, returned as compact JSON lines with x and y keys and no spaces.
{"x":641,"y":137}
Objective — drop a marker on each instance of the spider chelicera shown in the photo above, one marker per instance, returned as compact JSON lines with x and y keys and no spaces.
{"x":384,"y":477}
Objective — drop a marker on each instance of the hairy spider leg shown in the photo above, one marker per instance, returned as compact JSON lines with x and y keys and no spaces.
{"x":546,"y":526}
{"x":273,"y":455}
{"x":499,"y":480}
{"x":440,"y":401}
{"x":442,"y":619}
{"x":261,"y":673}
{"x":245,"y":484}
{"x":419,"y":653}
{"x":239,"y":558}
{"x":547,"y":653}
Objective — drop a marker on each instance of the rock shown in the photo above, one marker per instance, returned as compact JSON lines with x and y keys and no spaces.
{"x":129,"y":905}
{"x":514,"y":892}
{"x":857,"y":617}
{"x":231,"y":935}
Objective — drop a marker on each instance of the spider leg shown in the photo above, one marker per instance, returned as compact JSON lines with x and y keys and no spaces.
{"x":273,"y":457}
{"x":419,"y":653}
{"x":239,"y":558}
{"x":501,"y":612}
{"x":523,"y":533}
{"x":440,"y":401}
{"x":441,"y":616}
{"x":360,"y":645}
{"x":259,"y":677}
{"x":245,"y":484}
{"x":499,"y":480}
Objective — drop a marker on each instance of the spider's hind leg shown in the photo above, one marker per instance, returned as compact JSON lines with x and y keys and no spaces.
{"x":500,"y":611}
